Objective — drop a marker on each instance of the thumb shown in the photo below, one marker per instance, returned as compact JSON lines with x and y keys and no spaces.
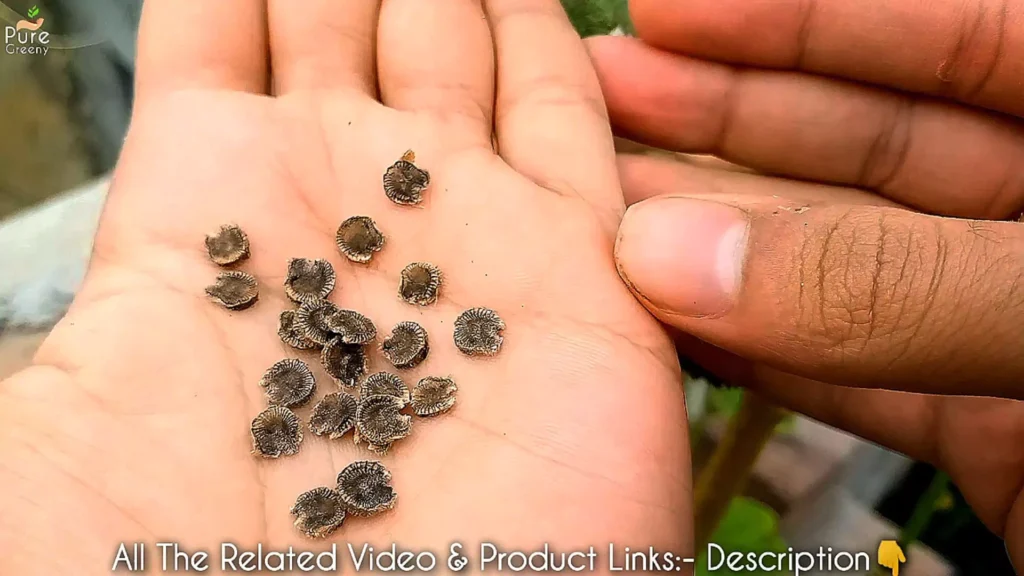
{"x":856,"y":295}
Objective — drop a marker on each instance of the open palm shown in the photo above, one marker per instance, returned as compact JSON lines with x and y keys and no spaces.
{"x":133,"y":425}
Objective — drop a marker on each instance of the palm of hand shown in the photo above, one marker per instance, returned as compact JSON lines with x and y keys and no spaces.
{"x":138,"y":428}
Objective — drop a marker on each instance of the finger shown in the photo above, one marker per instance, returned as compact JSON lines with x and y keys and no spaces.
{"x":972,"y":51}
{"x":550,"y":120}
{"x":438,"y":57}
{"x":934,"y":429}
{"x":929,"y":154}
{"x":645,"y":176}
{"x":324,"y":45}
{"x":187,"y":44}
{"x":896,"y":420}
{"x":853,"y":295}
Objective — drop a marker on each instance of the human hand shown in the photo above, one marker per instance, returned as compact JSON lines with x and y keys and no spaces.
{"x":133,"y":425}
{"x":788,"y":285}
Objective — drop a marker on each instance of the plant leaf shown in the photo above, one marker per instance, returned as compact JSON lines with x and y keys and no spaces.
{"x":748,"y":526}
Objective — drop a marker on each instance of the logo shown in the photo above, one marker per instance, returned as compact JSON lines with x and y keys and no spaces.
{"x":25,"y":37}
{"x":890,"y":556}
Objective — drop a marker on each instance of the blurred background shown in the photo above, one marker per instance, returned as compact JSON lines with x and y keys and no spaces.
{"x":765,"y":479}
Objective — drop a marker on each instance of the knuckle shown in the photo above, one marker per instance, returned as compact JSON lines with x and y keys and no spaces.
{"x":873,"y":275}
{"x":885,"y":157}
{"x":979,"y":43}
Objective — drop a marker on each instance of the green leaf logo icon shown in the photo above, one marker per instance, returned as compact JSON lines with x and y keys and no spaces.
{"x":33,"y":12}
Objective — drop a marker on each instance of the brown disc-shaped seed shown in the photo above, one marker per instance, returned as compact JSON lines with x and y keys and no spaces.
{"x":235,"y":290}
{"x":345,"y":363}
{"x":309,"y":280}
{"x":379,"y":420}
{"x":365,"y":488}
{"x":291,"y":334}
{"x":276,"y":431}
{"x":358,"y":238}
{"x":420,"y":284}
{"x":404,"y":182}
{"x":351,"y":326}
{"x":433,"y":395}
{"x":384,"y":383}
{"x":288,"y":383}
{"x":478,"y":332}
{"x":318,"y":512}
{"x":334,"y":415}
{"x":311,"y":319}
{"x":228,"y":246}
{"x":407,"y":345}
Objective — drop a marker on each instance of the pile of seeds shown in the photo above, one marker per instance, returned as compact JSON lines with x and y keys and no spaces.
{"x":372,"y":406}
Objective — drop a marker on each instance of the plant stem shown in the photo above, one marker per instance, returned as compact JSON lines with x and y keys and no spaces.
{"x":924,"y":510}
{"x":732,"y":462}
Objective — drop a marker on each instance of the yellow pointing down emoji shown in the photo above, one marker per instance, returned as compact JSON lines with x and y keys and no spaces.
{"x":890,"y":556}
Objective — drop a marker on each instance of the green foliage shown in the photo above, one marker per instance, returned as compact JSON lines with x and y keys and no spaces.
{"x":33,"y":12}
{"x":748,"y":526}
{"x":595,"y":17}
{"x":726,"y":401}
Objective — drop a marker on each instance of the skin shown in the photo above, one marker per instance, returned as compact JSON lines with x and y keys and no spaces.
{"x":133,"y":423}
{"x":839,"y":117}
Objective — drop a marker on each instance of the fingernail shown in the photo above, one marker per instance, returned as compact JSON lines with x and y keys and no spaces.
{"x":683,"y":255}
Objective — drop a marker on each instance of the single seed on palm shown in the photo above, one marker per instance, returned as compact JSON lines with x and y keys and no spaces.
{"x":291,"y":334}
{"x":433,"y":395}
{"x":235,"y":290}
{"x":276,"y":432}
{"x":334,"y":415}
{"x":227,"y":246}
{"x":318,"y":512}
{"x":478,"y":332}
{"x":404,"y":183}
{"x":309,"y":280}
{"x":407,"y":346}
{"x":420,"y":284}
{"x":288,"y":383}
{"x":358,"y":239}
{"x":365,"y":488}
{"x":345,"y":363}
{"x":384,"y":383}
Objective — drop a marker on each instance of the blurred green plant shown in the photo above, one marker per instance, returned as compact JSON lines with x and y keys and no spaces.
{"x":596,"y":17}
{"x":748,"y":526}
{"x":726,"y":402}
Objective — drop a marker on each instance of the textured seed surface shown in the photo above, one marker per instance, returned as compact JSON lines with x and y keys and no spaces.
{"x":407,"y":346}
{"x":351,"y":326}
{"x":289,"y":383}
{"x":346,"y":363}
{"x":228,"y":246}
{"x":379,"y":420}
{"x":318,"y":512}
{"x":309,"y":280}
{"x":291,"y":334}
{"x":404,"y":182}
{"x":334,"y":415}
{"x":311,"y":319}
{"x":276,"y":432}
{"x":433,"y":395}
{"x":421,"y":283}
{"x":358,"y":238}
{"x":365,"y":488}
{"x":478,"y":332}
{"x":384,"y":383}
{"x":235,"y":290}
